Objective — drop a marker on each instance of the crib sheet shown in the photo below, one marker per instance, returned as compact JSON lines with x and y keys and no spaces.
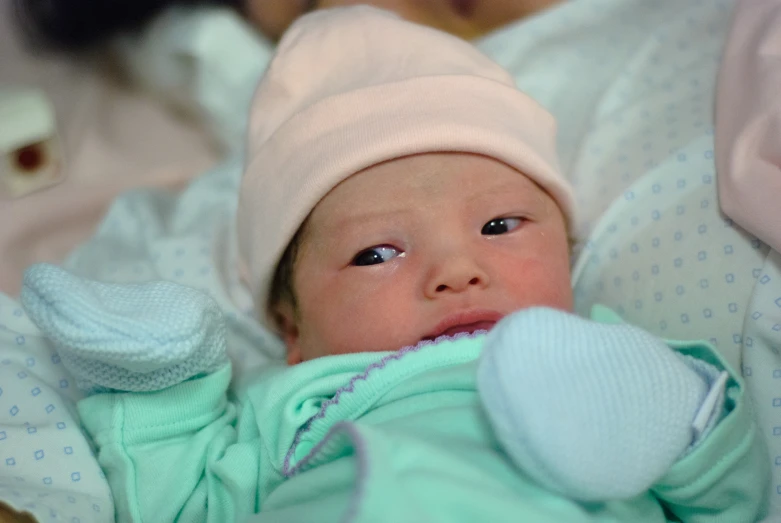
{"x":631,"y":83}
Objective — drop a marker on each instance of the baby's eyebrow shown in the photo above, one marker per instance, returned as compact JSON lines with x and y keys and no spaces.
{"x":531,"y":194}
{"x":362,"y":218}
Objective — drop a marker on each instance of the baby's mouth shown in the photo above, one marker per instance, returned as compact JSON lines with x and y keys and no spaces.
{"x":469,"y":328}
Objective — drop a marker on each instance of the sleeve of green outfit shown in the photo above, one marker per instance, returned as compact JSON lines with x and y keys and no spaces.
{"x":178,"y":454}
{"x":173,"y":449}
{"x":727,"y":476}
{"x":600,"y":410}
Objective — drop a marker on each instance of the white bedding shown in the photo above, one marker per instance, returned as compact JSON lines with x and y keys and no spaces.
{"x":631,"y":83}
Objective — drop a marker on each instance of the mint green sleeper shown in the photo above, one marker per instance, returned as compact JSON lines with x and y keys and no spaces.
{"x":376,"y":437}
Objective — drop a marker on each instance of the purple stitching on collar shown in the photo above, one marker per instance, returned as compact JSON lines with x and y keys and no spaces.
{"x":350,"y":387}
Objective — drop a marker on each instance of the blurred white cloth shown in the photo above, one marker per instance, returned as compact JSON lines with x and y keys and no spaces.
{"x":114,"y":138}
{"x":205,"y":62}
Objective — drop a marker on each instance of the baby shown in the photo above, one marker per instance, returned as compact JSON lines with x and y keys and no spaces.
{"x":403,"y":228}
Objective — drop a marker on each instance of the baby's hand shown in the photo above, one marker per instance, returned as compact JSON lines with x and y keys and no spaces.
{"x":593,"y":411}
{"x":125,"y":337}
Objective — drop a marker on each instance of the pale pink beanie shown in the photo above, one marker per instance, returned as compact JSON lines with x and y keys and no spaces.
{"x":352,"y":87}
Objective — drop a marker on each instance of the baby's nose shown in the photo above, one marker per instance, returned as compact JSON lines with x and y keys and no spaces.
{"x":454,"y":275}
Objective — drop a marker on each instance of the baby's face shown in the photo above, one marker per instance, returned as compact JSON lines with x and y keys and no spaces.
{"x":423,"y":246}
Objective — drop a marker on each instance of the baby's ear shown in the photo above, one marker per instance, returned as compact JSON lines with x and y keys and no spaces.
{"x":285,"y":318}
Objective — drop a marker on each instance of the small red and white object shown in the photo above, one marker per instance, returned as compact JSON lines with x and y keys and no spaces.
{"x":30,"y":152}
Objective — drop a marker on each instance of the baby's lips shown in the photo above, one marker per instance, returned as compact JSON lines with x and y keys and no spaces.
{"x":467,"y":321}
{"x":470,"y":328}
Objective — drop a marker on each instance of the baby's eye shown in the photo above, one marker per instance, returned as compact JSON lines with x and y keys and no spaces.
{"x":500,"y":226}
{"x":375,"y":255}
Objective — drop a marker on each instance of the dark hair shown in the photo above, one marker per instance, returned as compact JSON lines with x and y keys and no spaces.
{"x":282,"y":288}
{"x":82,"y":25}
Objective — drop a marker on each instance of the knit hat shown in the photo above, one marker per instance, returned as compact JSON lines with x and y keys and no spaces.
{"x":352,"y":87}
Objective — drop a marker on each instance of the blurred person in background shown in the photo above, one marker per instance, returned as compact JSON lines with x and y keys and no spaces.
{"x":76,"y":25}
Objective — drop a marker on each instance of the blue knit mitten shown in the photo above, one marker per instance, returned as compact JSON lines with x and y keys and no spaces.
{"x":125,"y":337}
{"x":593,"y":411}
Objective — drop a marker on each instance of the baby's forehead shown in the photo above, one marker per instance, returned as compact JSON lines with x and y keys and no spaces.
{"x":410,"y":183}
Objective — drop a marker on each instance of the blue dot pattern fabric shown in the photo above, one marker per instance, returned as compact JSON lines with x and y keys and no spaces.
{"x":47,"y":467}
{"x":630,"y":83}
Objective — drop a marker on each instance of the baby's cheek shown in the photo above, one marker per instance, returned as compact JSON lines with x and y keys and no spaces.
{"x":361,"y":319}
{"x":540,"y":282}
